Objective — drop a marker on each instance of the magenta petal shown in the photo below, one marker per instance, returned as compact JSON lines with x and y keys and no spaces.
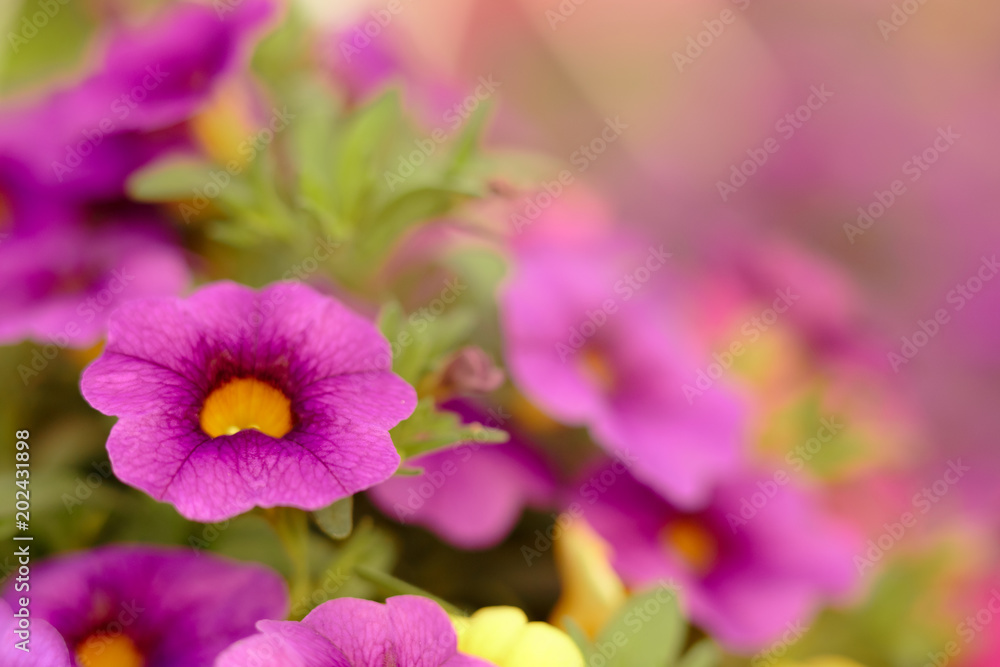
{"x":283,"y":644}
{"x":46,"y":647}
{"x":470,"y":495}
{"x":407,"y":631}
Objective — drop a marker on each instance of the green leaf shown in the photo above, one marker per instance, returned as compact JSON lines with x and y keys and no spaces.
{"x":337,"y":519}
{"x":429,"y":429}
{"x":579,"y":637}
{"x":399,"y":214}
{"x":703,"y":654}
{"x":468,"y":141}
{"x":648,"y":631}
{"x":365,"y":143}
{"x":174,"y":178}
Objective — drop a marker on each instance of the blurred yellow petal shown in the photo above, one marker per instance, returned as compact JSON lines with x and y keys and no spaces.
{"x":490,"y":632}
{"x":504,"y":636}
{"x":591,"y":590}
{"x":542,"y":645}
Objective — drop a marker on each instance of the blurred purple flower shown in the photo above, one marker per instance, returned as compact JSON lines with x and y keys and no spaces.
{"x":470,"y":495}
{"x":364,"y":66}
{"x":145,"y":605}
{"x":235,"y":398}
{"x":64,"y":162}
{"x":758,"y":557}
{"x":407,"y":631}
{"x":68,"y":278}
{"x":587,"y":341}
{"x":85,"y":140}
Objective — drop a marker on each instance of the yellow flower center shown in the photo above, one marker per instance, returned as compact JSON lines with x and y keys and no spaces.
{"x":246,"y":403}
{"x":102,"y":650}
{"x":691,"y":541}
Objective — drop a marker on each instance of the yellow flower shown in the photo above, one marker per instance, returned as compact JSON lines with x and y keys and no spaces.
{"x":591,"y":590}
{"x":504,"y":636}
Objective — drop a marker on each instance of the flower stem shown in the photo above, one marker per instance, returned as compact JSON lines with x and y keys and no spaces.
{"x":292,"y":527}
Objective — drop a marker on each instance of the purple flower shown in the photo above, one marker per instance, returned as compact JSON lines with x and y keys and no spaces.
{"x":85,"y":140}
{"x":135,"y":605}
{"x":470,"y":495}
{"x":407,"y":631}
{"x":40,"y":646}
{"x":588,"y":342}
{"x":235,"y":398}
{"x":758,"y":557}
{"x":64,"y":280}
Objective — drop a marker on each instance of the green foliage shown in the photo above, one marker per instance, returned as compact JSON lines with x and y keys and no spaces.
{"x":648,"y":631}
{"x":429,"y":429}
{"x":419,"y":342}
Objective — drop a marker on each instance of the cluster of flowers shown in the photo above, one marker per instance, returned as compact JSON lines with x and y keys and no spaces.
{"x":232,"y":398}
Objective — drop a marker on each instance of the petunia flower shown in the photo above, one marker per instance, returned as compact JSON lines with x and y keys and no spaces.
{"x":504,"y":636}
{"x":407,"y":631}
{"x":470,"y":495}
{"x":129,"y":606}
{"x":759,"y":556}
{"x":235,"y":398}
{"x":84,"y":140}
{"x":65,"y":280}
{"x":589,"y":342}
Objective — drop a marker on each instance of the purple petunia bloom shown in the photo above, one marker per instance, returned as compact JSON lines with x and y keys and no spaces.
{"x":136,"y":605}
{"x":235,"y":398}
{"x":407,"y":631}
{"x":758,"y":557}
{"x":470,"y":495}
{"x":65,"y":280}
{"x":85,"y":140}
{"x":587,"y":341}
{"x":64,"y":160}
